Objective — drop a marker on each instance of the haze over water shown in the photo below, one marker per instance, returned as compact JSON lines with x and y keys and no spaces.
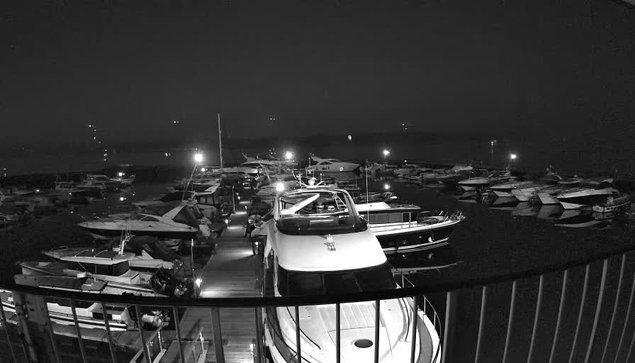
{"x":582,"y":152}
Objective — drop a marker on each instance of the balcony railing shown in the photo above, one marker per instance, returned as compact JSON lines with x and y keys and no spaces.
{"x":579,"y":311}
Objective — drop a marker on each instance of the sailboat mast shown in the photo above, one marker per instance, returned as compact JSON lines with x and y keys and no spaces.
{"x":220,"y":145}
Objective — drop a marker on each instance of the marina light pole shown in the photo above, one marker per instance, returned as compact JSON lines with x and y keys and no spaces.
{"x":385,"y":153}
{"x":198,"y":159}
{"x":220,"y":145}
{"x":512,"y":157}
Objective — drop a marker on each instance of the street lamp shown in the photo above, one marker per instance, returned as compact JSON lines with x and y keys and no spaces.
{"x":288,"y":155}
{"x":386,"y":152}
{"x":512,"y":157}
{"x":198,"y":158}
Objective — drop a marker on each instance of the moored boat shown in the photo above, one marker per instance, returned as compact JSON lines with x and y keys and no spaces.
{"x":613,"y":204}
{"x":312,"y":251}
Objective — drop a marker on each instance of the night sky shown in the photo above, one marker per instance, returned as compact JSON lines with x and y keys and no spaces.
{"x":133,"y":67}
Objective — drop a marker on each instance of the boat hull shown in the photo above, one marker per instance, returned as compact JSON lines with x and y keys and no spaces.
{"x":413,"y":239}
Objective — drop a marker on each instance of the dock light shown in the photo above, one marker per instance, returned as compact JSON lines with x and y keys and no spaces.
{"x":37,"y":190}
{"x":387,"y":186}
{"x":513,"y":156}
{"x":350,"y":138}
{"x":203,"y":170}
{"x":198,"y":282}
{"x":198,"y":157}
{"x":226,"y":221}
{"x":122,"y":198}
{"x":288,"y":155}
{"x":120,"y":174}
{"x":279,"y":187}
{"x":386,"y":152}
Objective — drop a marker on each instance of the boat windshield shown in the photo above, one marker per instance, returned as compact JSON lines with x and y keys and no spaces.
{"x":317,"y":213}
{"x":293,"y":283}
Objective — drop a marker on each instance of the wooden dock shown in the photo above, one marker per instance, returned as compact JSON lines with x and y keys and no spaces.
{"x":232,"y":271}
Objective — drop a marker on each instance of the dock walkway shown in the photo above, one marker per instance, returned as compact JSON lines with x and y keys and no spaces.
{"x":232,"y":271}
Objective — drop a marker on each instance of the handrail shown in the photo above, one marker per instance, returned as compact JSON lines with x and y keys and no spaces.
{"x":424,"y":288}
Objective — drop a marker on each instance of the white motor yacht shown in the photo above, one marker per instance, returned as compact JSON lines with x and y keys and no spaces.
{"x":173,"y":220}
{"x":331,"y":165}
{"x":332,"y":251}
{"x":403,"y":228}
{"x":581,"y":197}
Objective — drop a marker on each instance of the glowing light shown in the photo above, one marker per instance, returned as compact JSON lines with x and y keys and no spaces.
{"x":226,"y":221}
{"x":90,"y":125}
{"x":37,"y":190}
{"x":94,"y":137}
{"x":203,"y":170}
{"x":386,"y":186}
{"x":513,"y":156}
{"x":386,"y":152}
{"x":350,"y":138}
{"x":198,"y":282}
{"x":238,"y":197}
{"x":198,"y":158}
{"x":279,"y":187}
{"x":120,"y":173}
{"x":492,"y":143}
{"x":240,"y":212}
{"x":122,"y":198}
{"x":288,"y":155}
{"x":167,"y":154}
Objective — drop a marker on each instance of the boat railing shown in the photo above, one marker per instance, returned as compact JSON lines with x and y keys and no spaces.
{"x":576,"y":311}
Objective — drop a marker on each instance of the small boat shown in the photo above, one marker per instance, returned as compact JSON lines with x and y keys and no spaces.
{"x":613,"y":204}
{"x":90,"y":315}
{"x":507,"y":189}
{"x":547,"y":195}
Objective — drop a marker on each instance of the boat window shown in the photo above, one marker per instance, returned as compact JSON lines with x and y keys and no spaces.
{"x":406,"y":217}
{"x":325,"y":163}
{"x":149,"y":219}
{"x":186,"y":216}
{"x":176,"y":196}
{"x":395,"y":217}
{"x":157,"y":210}
{"x":197,"y":212}
{"x":293,"y":283}
{"x":67,"y":302}
{"x":319,"y":212}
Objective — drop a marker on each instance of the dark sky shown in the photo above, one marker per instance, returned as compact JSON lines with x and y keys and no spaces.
{"x":132,"y":67}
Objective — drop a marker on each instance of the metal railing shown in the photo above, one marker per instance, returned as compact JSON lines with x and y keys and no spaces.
{"x":580,"y":311}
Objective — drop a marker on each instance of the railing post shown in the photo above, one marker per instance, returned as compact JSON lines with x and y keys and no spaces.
{"x":617,"y":300}
{"x":111,"y":345}
{"x":259,"y":338}
{"x":415,"y":322}
{"x":536,"y":318}
{"x":450,"y":307}
{"x":377,"y":320}
{"x":481,"y":323}
{"x":79,"y":333}
{"x":49,"y":327}
{"x":582,"y":301}
{"x":338,"y":337}
{"x":510,"y":320}
{"x":563,"y":291}
{"x":297,"y":334}
{"x":22,"y":313}
{"x":628,"y":315}
{"x":218,"y":335}
{"x":146,"y":352}
{"x":177,"y":328}
{"x":596,"y":319}
{"x":6,"y":330}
